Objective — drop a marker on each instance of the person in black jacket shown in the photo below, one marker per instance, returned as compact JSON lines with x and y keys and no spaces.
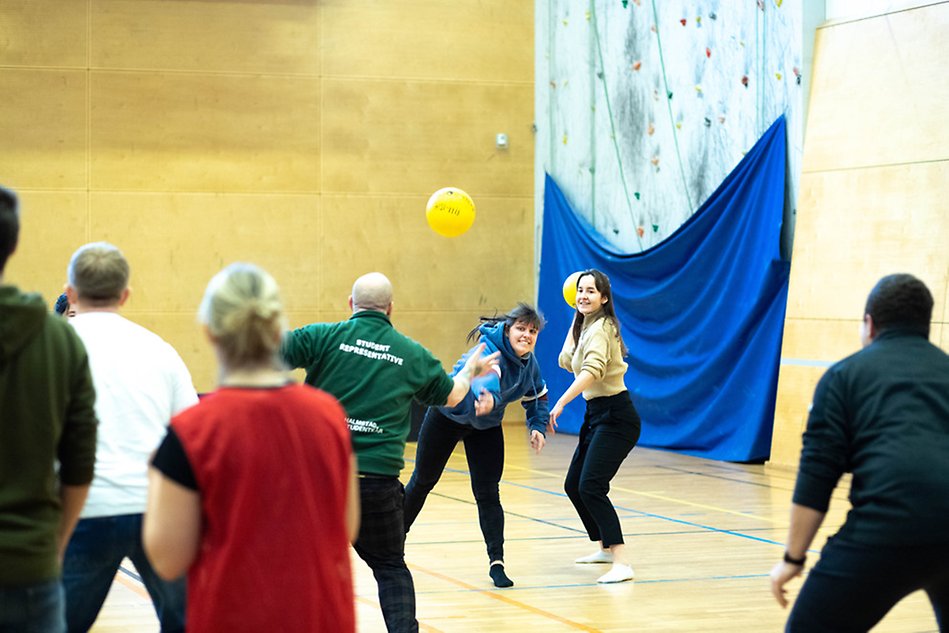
{"x":883,"y":415}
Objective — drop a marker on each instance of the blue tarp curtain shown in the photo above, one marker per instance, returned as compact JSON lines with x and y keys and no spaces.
{"x":702,"y":313}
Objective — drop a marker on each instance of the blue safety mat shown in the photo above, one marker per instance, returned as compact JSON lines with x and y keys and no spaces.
{"x":702,"y":312}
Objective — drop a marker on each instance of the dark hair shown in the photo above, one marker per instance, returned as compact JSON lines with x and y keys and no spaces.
{"x":523,"y":312}
{"x":902,"y":301}
{"x":62,"y":305}
{"x":9,"y":225}
{"x":602,"y":283}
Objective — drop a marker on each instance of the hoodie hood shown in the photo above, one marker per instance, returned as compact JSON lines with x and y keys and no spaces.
{"x":514,"y":379}
{"x":21,"y":318}
{"x":494,"y":332}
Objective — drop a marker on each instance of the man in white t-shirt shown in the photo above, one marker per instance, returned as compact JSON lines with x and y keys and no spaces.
{"x":141,"y":383}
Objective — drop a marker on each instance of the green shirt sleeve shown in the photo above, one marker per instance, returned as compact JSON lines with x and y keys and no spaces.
{"x":302,"y":347}
{"x":77,"y":445}
{"x":436,"y":384}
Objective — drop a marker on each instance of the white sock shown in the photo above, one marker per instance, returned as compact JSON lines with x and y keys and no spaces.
{"x":618,"y":573}
{"x":599,"y":556}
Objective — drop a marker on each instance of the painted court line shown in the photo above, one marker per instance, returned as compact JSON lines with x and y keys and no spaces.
{"x":490,"y":593}
{"x":651,"y":495}
{"x":702,"y":526}
{"x":375,"y":605}
{"x":133,"y":582}
{"x":580,"y":585}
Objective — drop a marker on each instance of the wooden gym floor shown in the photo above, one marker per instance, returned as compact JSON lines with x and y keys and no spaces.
{"x":703,"y":536}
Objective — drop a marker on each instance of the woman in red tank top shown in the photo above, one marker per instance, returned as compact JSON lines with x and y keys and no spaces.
{"x":253,"y":491}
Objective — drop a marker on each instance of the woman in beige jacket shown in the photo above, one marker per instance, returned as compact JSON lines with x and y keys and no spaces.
{"x":594,"y":351}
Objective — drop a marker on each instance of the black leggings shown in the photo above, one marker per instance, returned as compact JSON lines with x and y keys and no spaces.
{"x":484,"y":450}
{"x":610,"y":431}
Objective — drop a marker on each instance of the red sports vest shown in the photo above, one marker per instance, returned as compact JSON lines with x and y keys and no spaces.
{"x":272,"y":467}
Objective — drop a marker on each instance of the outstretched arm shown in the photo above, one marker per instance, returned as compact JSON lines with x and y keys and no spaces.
{"x":583,"y":380}
{"x":475,"y":366}
{"x":804,"y":525}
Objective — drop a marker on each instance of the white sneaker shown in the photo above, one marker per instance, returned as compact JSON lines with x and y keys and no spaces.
{"x":619,"y":573}
{"x":600,"y":556}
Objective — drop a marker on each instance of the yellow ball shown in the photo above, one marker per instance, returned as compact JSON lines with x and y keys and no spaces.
{"x":570,"y":289}
{"x":450,"y":212}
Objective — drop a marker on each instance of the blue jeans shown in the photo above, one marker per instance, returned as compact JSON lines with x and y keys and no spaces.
{"x":93,"y":556}
{"x":381,"y":543}
{"x":33,"y":609}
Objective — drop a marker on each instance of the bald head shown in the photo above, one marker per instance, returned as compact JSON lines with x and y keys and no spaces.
{"x":372,"y":291}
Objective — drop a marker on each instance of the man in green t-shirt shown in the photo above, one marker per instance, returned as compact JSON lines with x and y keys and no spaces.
{"x":376,"y":372}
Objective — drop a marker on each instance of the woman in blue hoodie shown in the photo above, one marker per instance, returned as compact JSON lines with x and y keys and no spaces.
{"x":477,"y":421}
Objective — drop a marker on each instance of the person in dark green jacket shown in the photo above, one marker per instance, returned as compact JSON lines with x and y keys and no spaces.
{"x":46,"y":414}
{"x":883,"y":415}
{"x":375,"y":372}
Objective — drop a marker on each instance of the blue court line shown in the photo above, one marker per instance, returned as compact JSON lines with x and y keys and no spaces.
{"x":524,"y":539}
{"x":131,"y":574}
{"x":723,"y":477}
{"x":837,"y":494}
{"x":651,"y":515}
{"x":637,"y":581}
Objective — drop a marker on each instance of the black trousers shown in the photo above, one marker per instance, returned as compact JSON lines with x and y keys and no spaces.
{"x":610,"y":430}
{"x":484,"y":450}
{"x":381,"y":543}
{"x":853,"y":586}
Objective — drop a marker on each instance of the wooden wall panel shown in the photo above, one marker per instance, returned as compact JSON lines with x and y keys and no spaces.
{"x":43,"y":127}
{"x":464,"y":41}
{"x":193,"y":132}
{"x":184,"y":333}
{"x":42,"y":255}
{"x":821,"y":340}
{"x":259,"y":37}
{"x":876,"y":177}
{"x":880,"y":100}
{"x":177,"y":242}
{"x":414,"y":137}
{"x":864,"y":224}
{"x":483,"y":269}
{"x":795,"y":391}
{"x":43,"y":33}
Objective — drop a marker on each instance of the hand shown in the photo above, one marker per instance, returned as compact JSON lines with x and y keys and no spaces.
{"x":484,"y":404}
{"x":478,"y":365}
{"x":537,"y":441}
{"x":554,"y":414}
{"x":780,"y":575}
{"x":487,"y":364}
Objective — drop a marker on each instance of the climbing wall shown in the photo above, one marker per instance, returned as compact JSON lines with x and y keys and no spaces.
{"x":644,"y":107}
